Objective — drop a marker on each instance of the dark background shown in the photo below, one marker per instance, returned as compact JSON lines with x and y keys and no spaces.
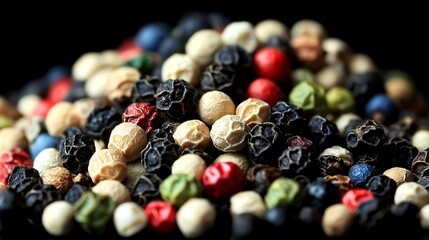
{"x":33,"y":41}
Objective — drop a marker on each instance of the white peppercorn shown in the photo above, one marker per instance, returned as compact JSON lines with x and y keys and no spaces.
{"x":424,"y":216}
{"x":338,"y":152}
{"x":344,"y":119}
{"x":121,"y":82}
{"x":194,"y":223}
{"x":337,"y":220}
{"x":114,"y":189}
{"x":266,"y":29}
{"x":247,"y":202}
{"x":86,"y":65}
{"x":190,"y":164}
{"x":58,"y":224}
{"x":420,"y":139}
{"x":83,"y":108}
{"x":60,"y":117}
{"x":12,"y":138}
{"x":360,"y":63}
{"x":242,"y":34}
{"x":228,"y":133}
{"x":253,"y":111}
{"x":330,"y":76}
{"x":337,"y":51}
{"x":238,"y":158}
{"x":31,"y":127}
{"x":192,"y":133}
{"x":47,"y":158}
{"x":60,"y":177}
{"x":202,"y":46}
{"x":128,"y":138}
{"x":99,"y":144}
{"x":411,"y":192}
{"x":214,"y":105}
{"x":399,"y":175}
{"x":107,"y":164}
{"x":96,"y":85}
{"x":129,"y":218}
{"x":27,"y":104}
{"x":181,"y":66}
{"x":110,"y":58}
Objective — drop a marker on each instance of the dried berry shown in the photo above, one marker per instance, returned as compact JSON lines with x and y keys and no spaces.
{"x":208,"y":159}
{"x":144,"y":89}
{"x":23,"y":179}
{"x":38,"y":198}
{"x":323,"y":133}
{"x":289,"y":118}
{"x":101,"y":122}
{"x":259,"y":177}
{"x":237,"y":58}
{"x":319,"y":194}
{"x":145,"y":115}
{"x":298,"y":160}
{"x":74,"y":193}
{"x":75,"y":152}
{"x":146,"y":189}
{"x":383,"y":187}
{"x":368,"y":137}
{"x":420,"y":164}
{"x":159,"y":155}
{"x":404,"y":128}
{"x":400,"y":152}
{"x":218,"y":77}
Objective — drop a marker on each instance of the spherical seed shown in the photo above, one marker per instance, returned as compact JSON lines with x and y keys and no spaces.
{"x":181,"y":66}
{"x":192,"y":133}
{"x":236,"y":157}
{"x":190,"y":164}
{"x":83,"y":107}
{"x":411,"y":192}
{"x":178,"y":188}
{"x":114,"y":189}
{"x":268,"y":28}
{"x":107,"y":164}
{"x":143,"y":114}
{"x":337,"y":51}
{"x":12,"y":138}
{"x":399,"y":175}
{"x":60,"y":117}
{"x":129,"y":218}
{"x":135,"y":169}
{"x":247,"y":202}
{"x":193,"y":223}
{"x":86,"y":65}
{"x":129,"y":139}
{"x":361,"y":63}
{"x":283,"y":191}
{"x":253,"y":111}
{"x":96,"y":85}
{"x":27,"y":104}
{"x":202,"y":46}
{"x":424,"y":216}
{"x":337,"y":220}
{"x":11,"y":159}
{"x":59,"y":177}
{"x":420,"y":139}
{"x":241,"y":34}
{"x":228,"y":133}
{"x":58,"y":224}
{"x":121,"y":82}
{"x":214,"y":105}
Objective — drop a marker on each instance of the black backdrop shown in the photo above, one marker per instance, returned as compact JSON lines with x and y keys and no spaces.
{"x":35,"y":40}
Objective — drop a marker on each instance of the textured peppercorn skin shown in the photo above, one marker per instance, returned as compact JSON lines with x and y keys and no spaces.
{"x":401,"y":152}
{"x":101,"y":122}
{"x":75,"y":152}
{"x":146,"y":189}
{"x":38,"y":198}
{"x":383,"y":187}
{"x":367,"y":137}
{"x":144,"y":114}
{"x":298,"y":160}
{"x":289,"y":118}
{"x":12,"y":158}
{"x":22,"y":179}
{"x":144,"y":89}
{"x":158,"y":156}
{"x":323,"y":133}
{"x":260,"y":176}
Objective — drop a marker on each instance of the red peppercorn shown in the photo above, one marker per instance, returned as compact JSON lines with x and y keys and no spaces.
{"x":143,"y":114}
{"x":42,"y":108}
{"x":59,"y":89}
{"x":221,"y":180}
{"x":162,"y":216}
{"x":12,"y":158}
{"x":354,"y":197}
{"x":265,"y":90}
{"x":272,"y":63}
{"x":128,"y":49}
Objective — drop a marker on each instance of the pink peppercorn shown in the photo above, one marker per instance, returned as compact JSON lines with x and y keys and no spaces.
{"x":59,"y":89}
{"x":12,"y":158}
{"x":143,"y":114}
{"x":354,"y":197}
{"x":42,"y":108}
{"x":221,"y":180}
{"x":272,"y":63}
{"x":162,"y":216}
{"x":128,"y":49}
{"x":265,"y":90}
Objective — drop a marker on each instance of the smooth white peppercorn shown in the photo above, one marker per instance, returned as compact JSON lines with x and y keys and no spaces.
{"x":97,"y":83}
{"x":114,"y":189}
{"x":253,"y":111}
{"x":190,"y":164}
{"x":337,"y":220}
{"x":344,"y":120}
{"x":238,"y":158}
{"x":27,"y":104}
{"x":424,"y":216}
{"x":214,"y":105}
{"x":107,"y":164}
{"x":57,"y":218}
{"x":195,"y":217}
{"x":242,"y":34}
{"x":411,"y":192}
{"x":202,"y":46}
{"x":181,"y":66}
{"x":86,"y":65}
{"x":399,"y":175}
{"x":247,"y":202}
{"x":60,"y":117}
{"x":228,"y":133}
{"x":129,"y":218}
{"x":337,"y":51}
{"x":420,"y":139}
{"x":268,"y":28}
{"x":330,"y":76}
{"x":192,"y":133}
{"x":338,"y":152}
{"x":12,"y":138}
{"x":128,"y":138}
{"x":360,"y":63}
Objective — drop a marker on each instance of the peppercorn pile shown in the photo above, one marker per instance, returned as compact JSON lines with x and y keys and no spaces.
{"x":217,"y":129}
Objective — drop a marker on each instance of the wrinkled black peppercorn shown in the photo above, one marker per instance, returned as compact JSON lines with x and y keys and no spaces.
{"x":282,"y":220}
{"x":158,"y":133}
{"x":101,"y":122}
{"x":74,"y":193}
{"x":218,"y":77}
{"x":289,"y":118}
{"x":177,"y":99}
{"x":400,"y":152}
{"x":22,"y":180}
{"x":420,"y":164}
{"x":404,"y":128}
{"x":323,"y":133}
{"x":298,"y":160}
{"x":76,"y":151}
{"x":38,"y":198}
{"x":146,"y":189}
{"x":374,"y":159}
{"x":259,"y":178}
{"x":368,"y":137}
{"x":373,"y":218}
{"x":319,"y":194}
{"x":158,"y":156}
{"x":332,"y":165}
{"x":246,"y":226}
{"x":382,"y":187}
{"x":238,"y":59}
{"x":144,"y":89}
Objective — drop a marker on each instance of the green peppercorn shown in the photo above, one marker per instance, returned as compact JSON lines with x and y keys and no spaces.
{"x":309,"y":96}
{"x":339,"y":100}
{"x":178,"y":188}
{"x":283,"y":191}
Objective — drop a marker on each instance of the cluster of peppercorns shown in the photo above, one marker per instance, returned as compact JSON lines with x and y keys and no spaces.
{"x":219,"y":129}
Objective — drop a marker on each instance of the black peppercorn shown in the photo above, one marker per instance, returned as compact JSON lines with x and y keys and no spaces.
{"x":309,"y":226}
{"x":298,"y":160}
{"x":75,"y":152}
{"x":319,"y":194}
{"x":177,"y":99}
{"x":373,"y":218}
{"x":282,"y":220}
{"x":144,"y":89}
{"x":404,"y":128}
{"x":400,"y":152}
{"x":218,"y":77}
{"x":420,"y":164}
{"x":246,"y":226}
{"x":406,"y":217}
{"x":11,"y":216}
{"x":22,"y":179}
{"x":76,"y":92}
{"x":74,"y":193}
{"x":374,"y":159}
{"x":368,"y":137}
{"x":289,"y":118}
{"x":146,"y":189}
{"x":38,"y":198}
{"x":170,"y":45}
{"x":158,"y":133}
{"x":259,"y":177}
{"x":158,"y":156}
{"x":238,"y":59}
{"x":382,"y":187}
{"x":101,"y":122}
{"x":323,"y":133}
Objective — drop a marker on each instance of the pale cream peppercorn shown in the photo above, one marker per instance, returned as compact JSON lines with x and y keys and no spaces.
{"x":114,"y":189}
{"x":399,"y":175}
{"x":411,"y":192}
{"x":338,"y":152}
{"x":57,"y":218}
{"x":135,"y":169}
{"x":195,"y":217}
{"x":99,"y":144}
{"x":214,"y":105}
{"x":344,"y":119}
{"x":235,"y":157}
{"x":27,"y":103}
{"x":202,"y":46}
{"x":253,"y":111}
{"x":242,"y":34}
{"x":337,"y":51}
{"x":337,"y":220}
{"x":190,"y":164}
{"x":31,"y":126}
{"x":12,"y":138}
{"x":192,"y":133}
{"x":128,"y":138}
{"x":268,"y":28}
{"x":46,"y":159}
{"x":96,"y":85}
{"x":60,"y":117}
{"x":181,"y":66}
{"x":247,"y":202}
{"x":228,"y":133}
{"x":420,"y":139}
{"x":121,"y":82}
{"x":424,"y":216}
{"x":129,"y":218}
{"x":330,"y":76}
{"x":110,"y":58}
{"x":60,"y":177}
{"x":86,"y":65}
{"x":83,"y":108}
{"x":107,"y":164}
{"x":360,"y":63}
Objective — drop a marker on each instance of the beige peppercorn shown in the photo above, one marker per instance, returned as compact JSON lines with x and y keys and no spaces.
{"x":268,"y":28}
{"x":86,"y":65}
{"x":129,"y":218}
{"x":83,"y":108}
{"x":114,"y":189}
{"x":337,"y":220}
{"x":399,"y":175}
{"x":192,"y":133}
{"x":336,"y":51}
{"x":12,"y":138}
{"x":60,"y":117}
{"x":420,"y":139}
{"x":360,"y":63}
{"x":121,"y":82}
{"x":181,"y":66}
{"x":110,"y":58}
{"x":253,"y":111}
{"x":240,"y":33}
{"x":97,"y":83}
{"x":330,"y":76}
{"x":128,"y":138}
{"x":344,"y":120}
{"x":247,"y":202}
{"x":194,"y":223}
{"x":46,"y":159}
{"x":57,"y":218}
{"x":424,"y":216}
{"x":31,"y":127}
{"x":411,"y":192}
{"x":190,"y":164}
{"x":238,"y":158}
{"x":135,"y":169}
{"x":59,"y":177}
{"x":202,"y":46}
{"x":214,"y":105}
{"x":339,"y":152}
{"x":2,"y":187}
{"x":228,"y":133}
{"x":107,"y":164}
{"x":26,"y":104}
